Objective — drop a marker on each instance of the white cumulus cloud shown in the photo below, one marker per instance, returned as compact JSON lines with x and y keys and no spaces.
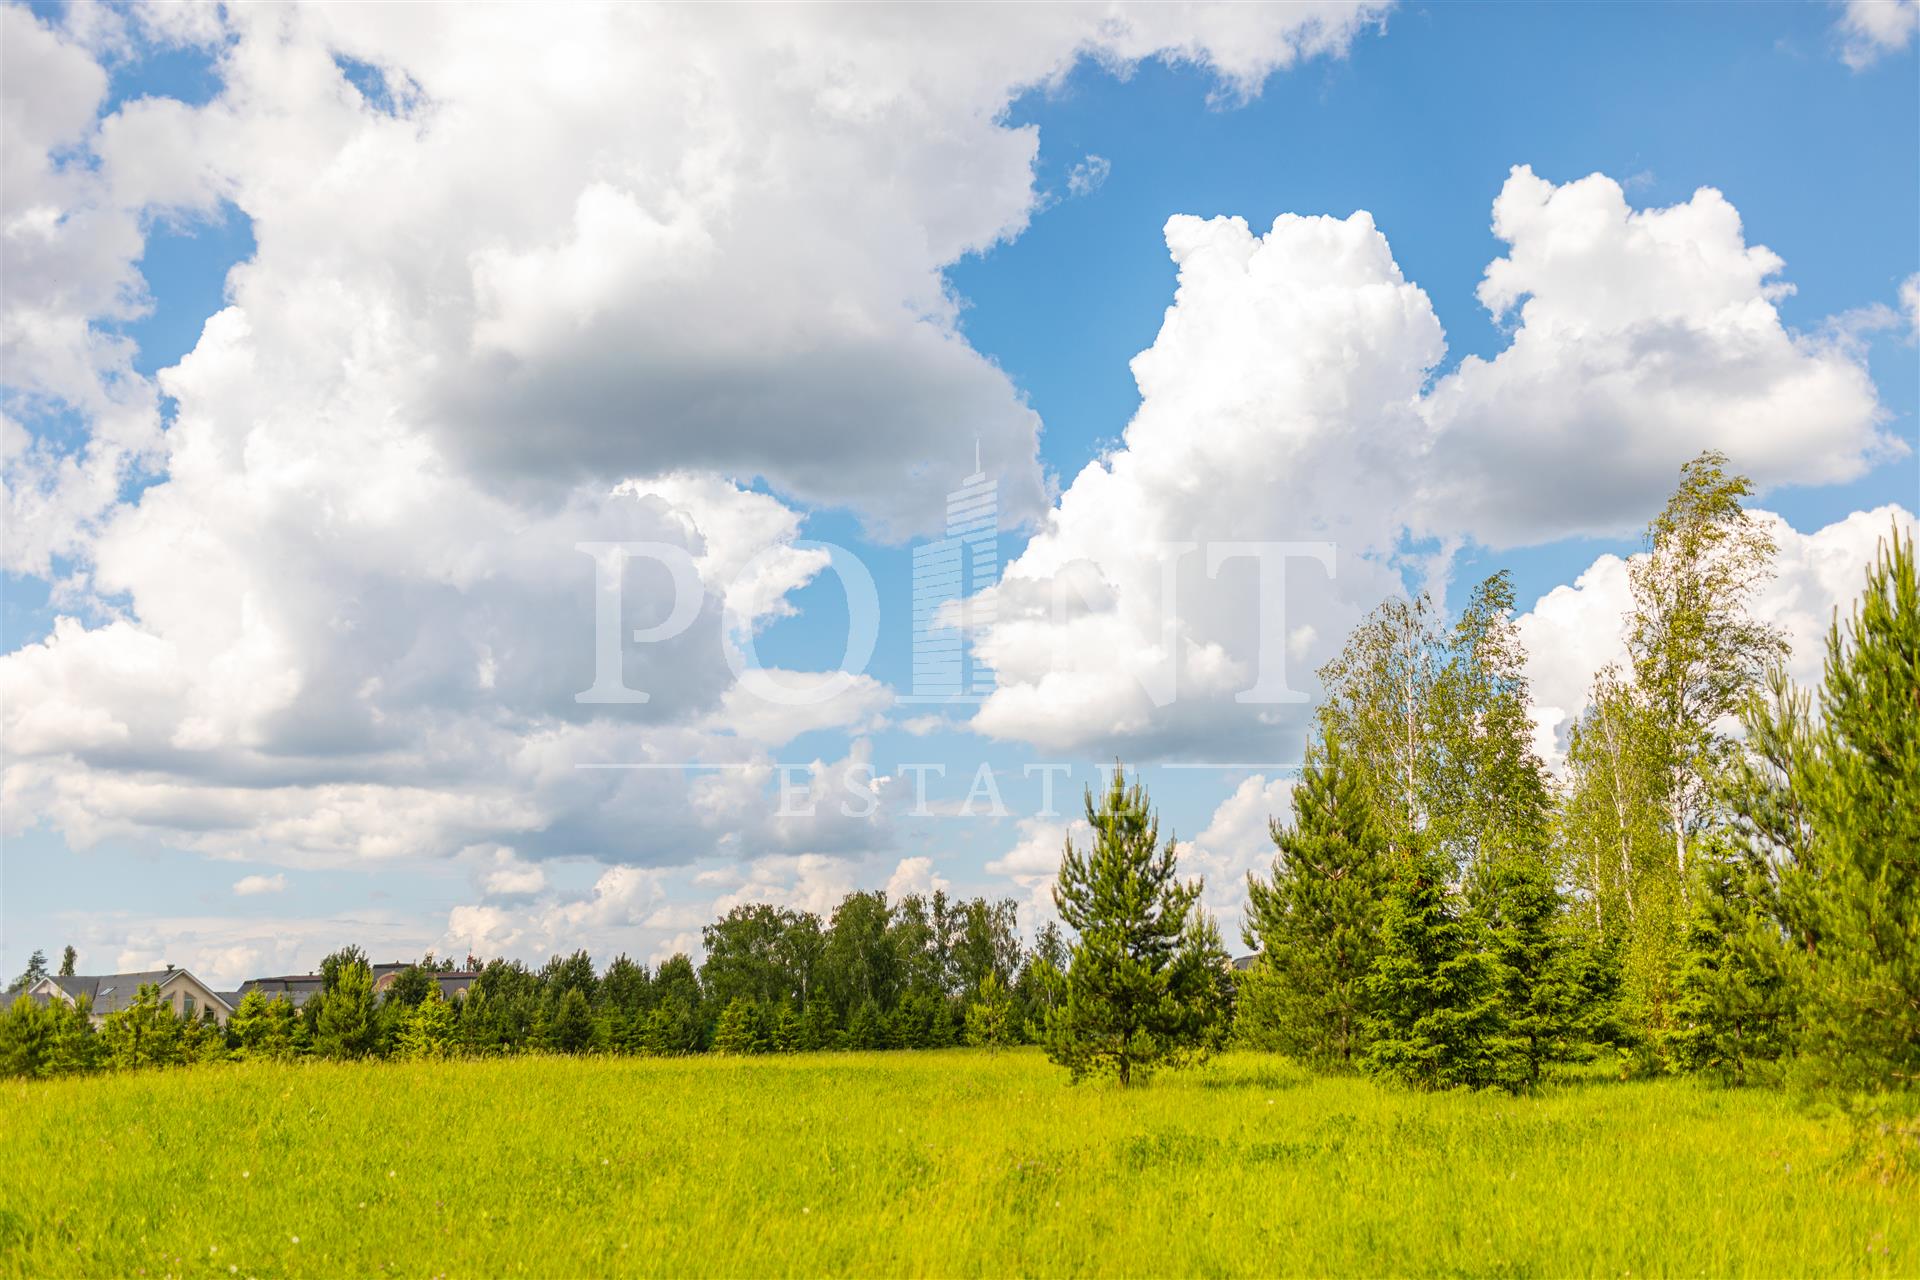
{"x":247,"y":886}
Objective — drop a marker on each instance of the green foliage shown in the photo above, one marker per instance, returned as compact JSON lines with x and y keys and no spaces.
{"x":1733,"y":1005}
{"x":817,"y":1028}
{"x":68,"y":958}
{"x":672,"y":1028}
{"x":1540,"y":979}
{"x":347,"y":1026}
{"x":52,"y":1039}
{"x":739,"y":1031}
{"x":1831,"y":806}
{"x":36,"y":970}
{"x":993,"y":1020}
{"x":1697,"y":652}
{"x":1140,"y":986}
{"x":144,"y":1034}
{"x":1316,"y":923}
{"x":1643,"y":801}
{"x":923,"y":1020}
{"x":868,"y":1029}
{"x":574,"y":972}
{"x":263,"y":1028}
{"x":1436,"y":1020}
{"x":338,"y":963}
{"x":1041,"y":987}
{"x":1489,"y":797}
{"x":569,"y":1027}
{"x":626,"y":987}
{"x":431,"y":1028}
{"x":410,"y":986}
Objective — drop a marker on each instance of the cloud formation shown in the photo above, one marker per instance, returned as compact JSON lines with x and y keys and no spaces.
{"x":1871,"y":29}
{"x":1575,"y":630}
{"x":1289,"y":398}
{"x":652,"y":276}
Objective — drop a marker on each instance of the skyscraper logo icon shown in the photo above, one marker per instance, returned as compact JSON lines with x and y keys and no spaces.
{"x":948,"y":577}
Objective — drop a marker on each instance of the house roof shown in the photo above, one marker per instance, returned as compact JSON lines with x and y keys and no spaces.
{"x":296,"y":987}
{"x":112,"y":992}
{"x":302,"y":987}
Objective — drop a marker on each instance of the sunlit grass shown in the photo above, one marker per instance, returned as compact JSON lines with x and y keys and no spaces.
{"x":921,"y":1163}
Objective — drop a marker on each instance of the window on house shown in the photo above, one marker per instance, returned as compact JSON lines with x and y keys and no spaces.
{"x":186,"y":1005}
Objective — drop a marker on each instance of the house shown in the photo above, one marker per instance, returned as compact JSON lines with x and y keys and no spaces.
{"x":299,"y":988}
{"x":296,"y":988}
{"x":452,"y":983}
{"x":112,"y":992}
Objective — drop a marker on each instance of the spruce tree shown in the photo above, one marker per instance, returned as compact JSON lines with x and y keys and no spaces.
{"x":818,"y":1030}
{"x":1140,"y":982}
{"x":738,"y":1029}
{"x":1733,"y":1005}
{"x":1536,"y":975}
{"x":1316,"y":923}
{"x":868,"y":1029}
{"x":1436,"y":1019}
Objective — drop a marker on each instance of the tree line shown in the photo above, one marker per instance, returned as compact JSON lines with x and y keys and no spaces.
{"x":1724,"y":879}
{"x":920,"y":972}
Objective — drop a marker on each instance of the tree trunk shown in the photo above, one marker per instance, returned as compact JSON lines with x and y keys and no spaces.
{"x":1619,"y":809}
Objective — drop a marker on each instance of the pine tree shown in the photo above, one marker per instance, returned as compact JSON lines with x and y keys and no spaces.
{"x":36,"y":970}
{"x":1733,"y":1005}
{"x":1316,"y":923}
{"x":429,"y":1030}
{"x":672,"y":1028}
{"x":570,"y":1028}
{"x":26,"y":1033}
{"x":1138,"y":993}
{"x":143,"y":1034}
{"x":738,"y":1030}
{"x":347,"y":1026}
{"x":68,"y":958}
{"x":1833,"y":803}
{"x":73,"y":1047}
{"x":992,"y":1020}
{"x":1436,"y":1019}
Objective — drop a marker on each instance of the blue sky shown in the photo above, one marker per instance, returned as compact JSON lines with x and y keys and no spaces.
{"x":1416,"y":117}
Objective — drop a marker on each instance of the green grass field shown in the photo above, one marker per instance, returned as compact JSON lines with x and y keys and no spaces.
{"x":954,"y":1163}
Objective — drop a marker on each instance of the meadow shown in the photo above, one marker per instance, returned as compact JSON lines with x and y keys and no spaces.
{"x":945,"y":1163}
